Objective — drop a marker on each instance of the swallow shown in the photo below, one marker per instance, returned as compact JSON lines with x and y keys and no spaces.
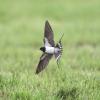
{"x":49,"y":49}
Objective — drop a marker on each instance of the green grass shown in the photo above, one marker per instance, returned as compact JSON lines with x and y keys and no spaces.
{"x":21,"y":34}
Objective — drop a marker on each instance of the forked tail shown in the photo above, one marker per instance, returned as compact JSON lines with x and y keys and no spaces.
{"x":59,"y":54}
{"x":61,"y":37}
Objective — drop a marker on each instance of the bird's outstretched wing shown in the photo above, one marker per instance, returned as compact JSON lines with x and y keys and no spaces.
{"x":48,"y":35}
{"x":44,"y":60}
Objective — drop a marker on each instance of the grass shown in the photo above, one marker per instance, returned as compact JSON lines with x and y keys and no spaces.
{"x":21,"y":34}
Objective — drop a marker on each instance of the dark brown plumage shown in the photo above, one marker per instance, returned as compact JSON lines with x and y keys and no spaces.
{"x":44,"y":60}
{"x":48,"y":33}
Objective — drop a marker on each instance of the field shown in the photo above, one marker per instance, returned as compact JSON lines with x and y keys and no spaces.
{"x":21,"y":35}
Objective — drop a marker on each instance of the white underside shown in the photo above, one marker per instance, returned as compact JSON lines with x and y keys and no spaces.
{"x":51,"y":50}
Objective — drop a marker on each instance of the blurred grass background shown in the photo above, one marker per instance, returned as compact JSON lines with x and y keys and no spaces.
{"x":21,"y":34}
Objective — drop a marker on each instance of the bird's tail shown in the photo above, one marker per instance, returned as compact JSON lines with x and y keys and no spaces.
{"x":59,"y":46}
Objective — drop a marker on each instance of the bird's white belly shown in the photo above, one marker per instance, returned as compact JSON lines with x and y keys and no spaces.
{"x":50,"y":50}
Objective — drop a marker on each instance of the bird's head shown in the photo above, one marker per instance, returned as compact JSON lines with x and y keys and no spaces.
{"x":42,"y":49}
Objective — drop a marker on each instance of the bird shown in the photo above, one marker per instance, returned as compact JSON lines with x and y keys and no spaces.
{"x":49,"y":49}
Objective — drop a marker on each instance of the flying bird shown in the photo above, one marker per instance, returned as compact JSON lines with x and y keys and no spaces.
{"x":49,"y":49}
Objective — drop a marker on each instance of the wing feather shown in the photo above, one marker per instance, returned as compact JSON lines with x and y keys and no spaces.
{"x":48,"y":35}
{"x":44,"y":60}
